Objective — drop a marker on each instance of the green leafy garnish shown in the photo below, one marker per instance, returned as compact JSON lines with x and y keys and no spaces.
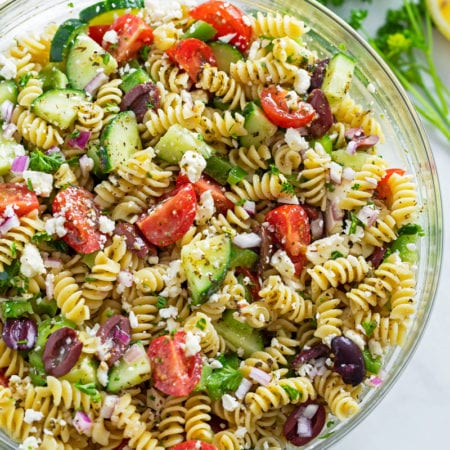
{"x":91,"y":390}
{"x":369,"y":327}
{"x":336,"y":254}
{"x":46,"y":163}
{"x":354,"y":223}
{"x":161,"y":302}
{"x":292,"y":392}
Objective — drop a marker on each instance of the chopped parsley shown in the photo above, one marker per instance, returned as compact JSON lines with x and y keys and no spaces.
{"x":91,"y":390}
{"x":292,"y":392}
{"x":336,"y":254}
{"x":46,"y":163}
{"x":369,"y":327}
{"x":161,"y":302}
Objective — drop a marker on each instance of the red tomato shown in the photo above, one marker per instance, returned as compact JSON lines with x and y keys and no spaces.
{"x":276,"y":108}
{"x":227,"y":19}
{"x":4,"y":380}
{"x":133,"y":34}
{"x":383,"y":190}
{"x":173,"y":372}
{"x":254,"y":286}
{"x":290,"y":227}
{"x":19,"y":197}
{"x":194,"y":445}
{"x":169,"y":220}
{"x":191,"y":55}
{"x":97,"y":32}
{"x":204,"y":184}
{"x":76,"y":205}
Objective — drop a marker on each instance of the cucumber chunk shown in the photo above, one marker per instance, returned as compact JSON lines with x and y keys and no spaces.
{"x":225,"y":55}
{"x":338,"y":77}
{"x":355,"y":161}
{"x":200,"y":30}
{"x":242,"y":257}
{"x":64,"y":37}
{"x":118,"y":141}
{"x":124,"y":375}
{"x":98,"y":9}
{"x":58,"y":106}
{"x":83,"y":372}
{"x":9,"y":149}
{"x":85,"y":60}
{"x":177,"y":140}
{"x":53,"y":78}
{"x":205,"y":263}
{"x":239,"y":335}
{"x":223,"y":171}
{"x":132,"y":79}
{"x":258,"y":126}
{"x":8,"y":91}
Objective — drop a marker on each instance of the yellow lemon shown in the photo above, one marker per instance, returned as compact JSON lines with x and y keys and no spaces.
{"x":440,"y":13}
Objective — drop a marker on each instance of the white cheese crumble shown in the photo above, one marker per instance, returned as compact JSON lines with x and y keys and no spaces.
{"x":227,"y":37}
{"x":302,"y":81}
{"x":125,"y":280}
{"x":240,"y":432}
{"x":173,"y":279}
{"x":170,"y":311}
{"x":9,"y":69}
{"x":102,"y":373}
{"x":205,"y":208}
{"x":229,"y":403}
{"x":30,"y":443}
{"x":192,"y":165}
{"x":356,"y":338}
{"x":192,"y":344}
{"x":55,"y":225}
{"x":106,"y":225}
{"x":169,"y":9}
{"x":321,"y":250}
{"x":283,"y":264}
{"x":111,"y":37}
{"x":32,"y":416}
{"x":295,"y":140}
{"x":31,"y":262}
{"x":41,"y":182}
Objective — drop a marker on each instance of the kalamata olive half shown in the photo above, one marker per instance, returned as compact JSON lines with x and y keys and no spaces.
{"x":319,"y":73}
{"x":305,"y":423}
{"x":20,"y":334}
{"x":133,"y":240}
{"x":377,"y":256}
{"x":115,"y":336}
{"x":323,"y":122}
{"x":316,"y":351}
{"x":141,"y":98}
{"x":348,"y":360}
{"x":62,"y":351}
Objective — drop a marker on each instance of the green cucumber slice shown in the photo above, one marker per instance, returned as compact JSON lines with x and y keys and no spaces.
{"x":64,"y":37}
{"x":225,"y":55}
{"x":58,"y":106}
{"x":177,"y":140}
{"x":355,"y":161}
{"x":223,"y":171}
{"x":83,"y":372}
{"x":119,"y":140}
{"x":132,"y":79}
{"x":8,"y":91}
{"x":53,"y":78}
{"x":338,"y":77}
{"x":205,"y":263}
{"x":9,"y":149}
{"x":200,"y":30}
{"x":258,"y":126}
{"x":85,"y":60}
{"x":97,"y":9}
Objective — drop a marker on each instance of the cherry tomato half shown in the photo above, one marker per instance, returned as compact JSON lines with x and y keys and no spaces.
{"x":133,"y":34}
{"x":383,"y":190}
{"x":204,"y":184}
{"x":97,"y":32}
{"x":194,"y":445}
{"x":19,"y":197}
{"x":173,"y":372}
{"x":290,"y":227}
{"x":191,"y":55}
{"x":227,"y":19}
{"x":275,"y":106}
{"x":76,"y":205}
{"x":170,"y":219}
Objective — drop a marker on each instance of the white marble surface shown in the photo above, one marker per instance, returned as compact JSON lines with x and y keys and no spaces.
{"x":414,"y":415}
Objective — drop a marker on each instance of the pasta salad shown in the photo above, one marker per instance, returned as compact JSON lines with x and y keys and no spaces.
{"x":200,"y":245}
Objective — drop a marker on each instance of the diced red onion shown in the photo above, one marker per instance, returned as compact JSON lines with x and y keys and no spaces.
{"x":247,"y":240}
{"x":9,"y":130}
{"x":249,"y":207}
{"x":133,"y":353}
{"x":19,"y":164}
{"x":351,"y":147}
{"x":80,"y":141}
{"x":121,"y":336}
{"x":49,"y":285}
{"x":53,"y":150}
{"x":376,"y":381}
{"x":333,"y":217}
{"x":82,"y":422}
{"x":109,"y":403}
{"x":9,"y":223}
{"x":100,"y":79}
{"x":310,"y":410}
{"x":243,"y":388}
{"x":335,"y":172}
{"x":52,"y":263}
{"x":317,"y":226}
{"x":86,"y":165}
{"x":260,"y":376}
{"x":7,"y":109}
{"x":354,"y":133}
{"x":368,"y":215}
{"x":348,"y":174}
{"x":337,"y":212}
{"x":304,"y":427}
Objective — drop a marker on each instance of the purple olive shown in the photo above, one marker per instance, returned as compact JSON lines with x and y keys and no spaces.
{"x":20,"y":334}
{"x":141,"y":98}
{"x":302,"y":416}
{"x":62,"y":351}
{"x":348,"y":360}
{"x":319,"y":73}
{"x":377,"y":256}
{"x":316,"y":351}
{"x":115,"y":336}
{"x":265,"y":249}
{"x":133,"y":240}
{"x":323,"y":122}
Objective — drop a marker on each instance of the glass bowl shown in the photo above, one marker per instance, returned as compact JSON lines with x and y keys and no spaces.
{"x":405,"y":144}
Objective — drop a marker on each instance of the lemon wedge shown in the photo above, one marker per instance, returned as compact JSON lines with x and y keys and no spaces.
{"x":440,"y":13}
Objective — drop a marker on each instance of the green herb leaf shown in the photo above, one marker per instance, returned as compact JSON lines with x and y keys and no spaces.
{"x":46,"y":163}
{"x":369,"y":327}
{"x":89,"y":389}
{"x":292,"y":392}
{"x":335,"y":254}
{"x":161,"y":302}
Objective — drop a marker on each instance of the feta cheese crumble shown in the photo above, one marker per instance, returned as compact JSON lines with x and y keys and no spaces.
{"x":31,"y":262}
{"x":192,"y":165}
